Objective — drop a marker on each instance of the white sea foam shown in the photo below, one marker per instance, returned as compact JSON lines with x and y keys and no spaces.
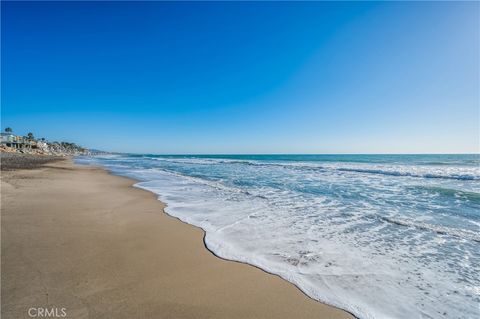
{"x":423,"y":171}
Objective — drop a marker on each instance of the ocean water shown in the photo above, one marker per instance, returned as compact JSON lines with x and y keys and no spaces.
{"x":381,"y":236}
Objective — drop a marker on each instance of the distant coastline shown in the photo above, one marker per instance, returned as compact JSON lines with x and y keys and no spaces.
{"x":28,"y":144}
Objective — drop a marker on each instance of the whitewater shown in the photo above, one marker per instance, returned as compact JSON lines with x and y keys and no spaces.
{"x":381,"y":236}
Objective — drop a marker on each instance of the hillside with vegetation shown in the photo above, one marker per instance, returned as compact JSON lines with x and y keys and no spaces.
{"x":28,"y":144}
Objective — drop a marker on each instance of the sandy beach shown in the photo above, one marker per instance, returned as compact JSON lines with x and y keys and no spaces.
{"x":78,"y":238}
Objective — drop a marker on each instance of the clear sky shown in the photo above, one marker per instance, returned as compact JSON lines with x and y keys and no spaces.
{"x":223,"y":77}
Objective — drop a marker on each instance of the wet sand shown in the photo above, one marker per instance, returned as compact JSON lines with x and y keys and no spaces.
{"x":13,"y":161}
{"x":78,"y":238}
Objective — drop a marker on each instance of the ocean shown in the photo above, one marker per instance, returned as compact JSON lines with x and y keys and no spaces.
{"x":381,"y":236}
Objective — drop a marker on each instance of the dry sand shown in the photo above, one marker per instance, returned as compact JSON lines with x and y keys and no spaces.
{"x":79,"y":238}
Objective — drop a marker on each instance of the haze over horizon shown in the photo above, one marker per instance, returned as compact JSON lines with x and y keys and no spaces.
{"x":245,"y":78}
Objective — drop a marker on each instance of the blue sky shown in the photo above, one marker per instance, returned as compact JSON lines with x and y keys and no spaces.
{"x":223,"y":77}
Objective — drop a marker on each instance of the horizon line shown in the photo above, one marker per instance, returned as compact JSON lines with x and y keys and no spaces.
{"x":235,"y":154}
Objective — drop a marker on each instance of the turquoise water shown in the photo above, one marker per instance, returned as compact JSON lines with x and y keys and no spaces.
{"x":382,"y":236}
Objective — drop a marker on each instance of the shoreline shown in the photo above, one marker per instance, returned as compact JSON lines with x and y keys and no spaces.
{"x":232,"y":260}
{"x":215,"y":287}
{"x":134,"y":182}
